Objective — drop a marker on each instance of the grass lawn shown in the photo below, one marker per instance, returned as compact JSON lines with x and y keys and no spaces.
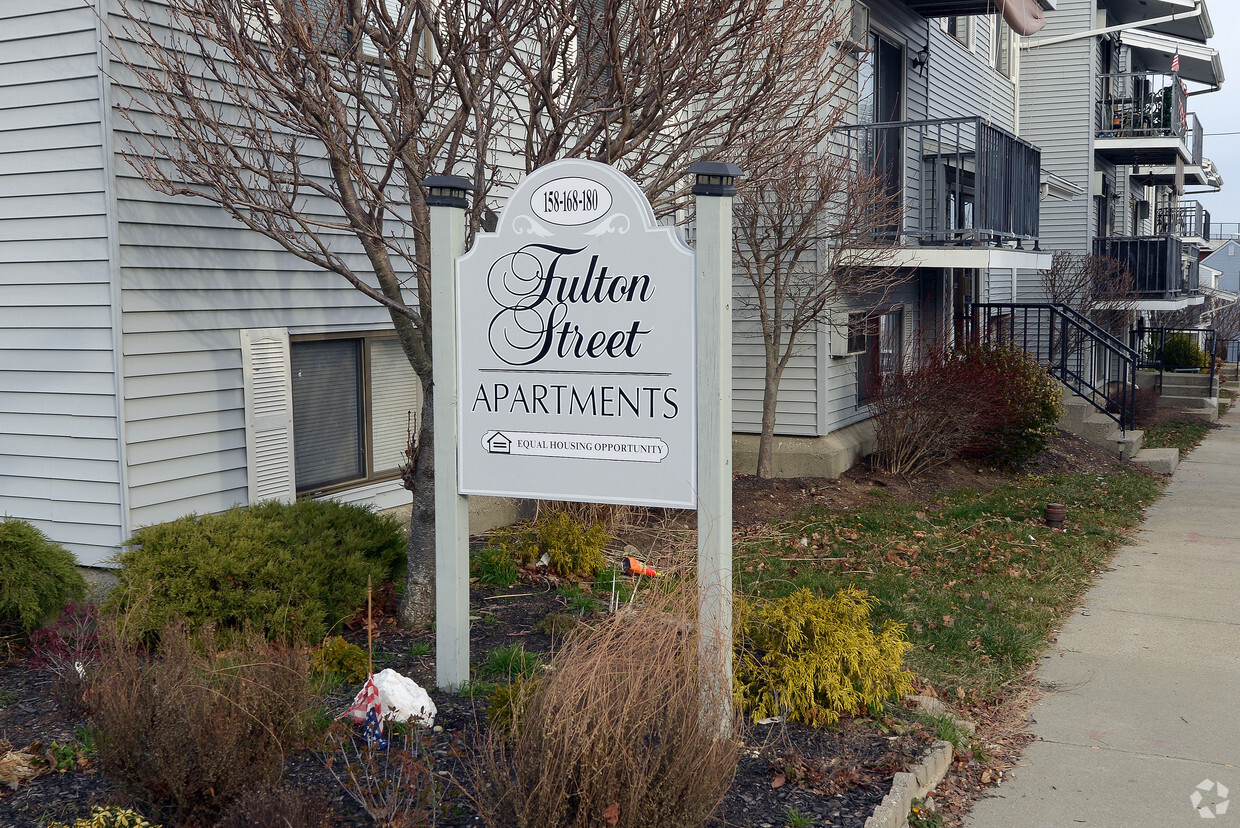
{"x":1184,"y":435}
{"x":978,"y":578}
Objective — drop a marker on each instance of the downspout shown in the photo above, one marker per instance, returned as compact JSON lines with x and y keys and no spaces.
{"x":102,"y":10}
{"x":1139,"y":24}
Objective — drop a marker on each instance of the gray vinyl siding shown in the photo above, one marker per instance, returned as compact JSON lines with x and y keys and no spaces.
{"x":1029,"y":285}
{"x":841,"y":372}
{"x":191,"y":278}
{"x":998,"y":285}
{"x":962,"y":81}
{"x":796,"y":407}
{"x":60,"y":453}
{"x":1057,"y":88}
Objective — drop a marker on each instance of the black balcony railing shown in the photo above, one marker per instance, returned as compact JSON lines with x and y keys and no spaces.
{"x":1188,"y":219}
{"x":1162,"y":267}
{"x":956,"y":181}
{"x":1142,"y":105}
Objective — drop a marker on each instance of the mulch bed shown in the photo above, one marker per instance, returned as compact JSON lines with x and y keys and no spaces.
{"x":835,"y":776}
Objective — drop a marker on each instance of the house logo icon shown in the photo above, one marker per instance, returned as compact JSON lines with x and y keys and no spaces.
{"x":496,"y":442}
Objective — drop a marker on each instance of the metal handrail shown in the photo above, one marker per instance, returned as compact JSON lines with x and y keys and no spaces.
{"x":1139,"y":337}
{"x":1091,"y":362}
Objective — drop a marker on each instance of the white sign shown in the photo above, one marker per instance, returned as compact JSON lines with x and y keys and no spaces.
{"x":575,"y":347}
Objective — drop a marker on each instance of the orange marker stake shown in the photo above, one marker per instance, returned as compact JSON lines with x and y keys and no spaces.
{"x":632,"y":566}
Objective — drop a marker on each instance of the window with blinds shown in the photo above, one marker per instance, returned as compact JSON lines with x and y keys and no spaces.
{"x":355,"y":401}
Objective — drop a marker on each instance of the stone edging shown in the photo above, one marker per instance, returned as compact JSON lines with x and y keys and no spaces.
{"x":916,"y":782}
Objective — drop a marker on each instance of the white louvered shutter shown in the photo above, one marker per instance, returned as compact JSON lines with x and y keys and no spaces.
{"x":268,"y":414}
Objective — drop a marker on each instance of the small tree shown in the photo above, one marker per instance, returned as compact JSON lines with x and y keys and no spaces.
{"x":808,"y":221}
{"x":1098,"y":287}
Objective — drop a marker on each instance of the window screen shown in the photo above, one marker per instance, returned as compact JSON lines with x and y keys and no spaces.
{"x":328,"y":439}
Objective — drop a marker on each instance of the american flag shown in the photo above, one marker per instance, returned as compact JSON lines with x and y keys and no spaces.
{"x":1175,"y":62}
{"x":366,"y":708}
{"x":366,"y":699}
{"x":374,"y":730}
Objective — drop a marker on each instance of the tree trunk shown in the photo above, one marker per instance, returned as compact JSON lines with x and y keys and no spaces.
{"x":417,"y":607}
{"x":766,"y":442}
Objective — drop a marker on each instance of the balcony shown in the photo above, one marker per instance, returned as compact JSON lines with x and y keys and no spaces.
{"x":958,"y":181}
{"x":1188,"y":220}
{"x":1162,"y":267}
{"x":1143,"y":119}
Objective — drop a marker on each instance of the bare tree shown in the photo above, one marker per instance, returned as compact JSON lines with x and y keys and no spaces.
{"x":268,"y":108}
{"x":1098,"y":287}
{"x":809,"y":224}
{"x":272,"y":109}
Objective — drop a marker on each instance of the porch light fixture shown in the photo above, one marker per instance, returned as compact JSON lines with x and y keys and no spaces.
{"x":448,"y":191}
{"x":920,"y":58}
{"x":715,"y":178}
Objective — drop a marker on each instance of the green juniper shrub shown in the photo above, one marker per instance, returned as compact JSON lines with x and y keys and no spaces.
{"x":292,"y":570}
{"x":572,"y":548}
{"x":814,"y":659}
{"x":1023,"y":410}
{"x":37,"y":576}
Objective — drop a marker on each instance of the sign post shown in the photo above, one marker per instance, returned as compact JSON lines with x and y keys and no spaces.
{"x":714,"y":189}
{"x":592,"y":363}
{"x":446,"y":198}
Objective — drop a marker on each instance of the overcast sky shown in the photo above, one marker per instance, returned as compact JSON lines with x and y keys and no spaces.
{"x":1220,"y":112}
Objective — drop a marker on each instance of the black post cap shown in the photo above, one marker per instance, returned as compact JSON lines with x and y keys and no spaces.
{"x":715,"y":178}
{"x":448,"y":191}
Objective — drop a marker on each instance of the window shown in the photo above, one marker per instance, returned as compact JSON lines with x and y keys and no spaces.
{"x":1001,"y":46}
{"x":883,"y":352}
{"x":957,"y":25}
{"x":355,"y":398}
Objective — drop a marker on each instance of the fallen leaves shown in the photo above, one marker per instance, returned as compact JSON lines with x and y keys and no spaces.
{"x":17,"y":766}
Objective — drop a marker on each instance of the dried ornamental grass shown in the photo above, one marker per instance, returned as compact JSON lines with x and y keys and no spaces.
{"x":612,"y":734}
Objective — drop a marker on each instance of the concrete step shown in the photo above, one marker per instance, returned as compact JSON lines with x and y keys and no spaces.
{"x":1088,"y":423}
{"x":1160,"y":460}
{"x":1130,"y":443}
{"x":1205,"y":408}
{"x":1189,"y":385}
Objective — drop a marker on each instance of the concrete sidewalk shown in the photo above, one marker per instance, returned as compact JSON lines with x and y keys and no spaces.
{"x":1142,"y":701}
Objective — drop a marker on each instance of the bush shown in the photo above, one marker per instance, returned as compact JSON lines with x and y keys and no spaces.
{"x":290,"y":570}
{"x":1022,"y":412}
{"x":396,"y":785}
{"x":815,"y":659}
{"x":992,"y":402}
{"x":613,"y":733}
{"x":280,"y":806}
{"x":1179,"y":350}
{"x":68,"y":649}
{"x":188,"y":729}
{"x":37,"y":576}
{"x":110,"y":817}
{"x":921,"y":420}
{"x":338,"y":657}
{"x":573,"y":549}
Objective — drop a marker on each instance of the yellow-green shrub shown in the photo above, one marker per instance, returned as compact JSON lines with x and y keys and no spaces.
{"x":813,"y":659}
{"x":341,"y":658}
{"x":573,"y":549}
{"x":110,"y":817}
